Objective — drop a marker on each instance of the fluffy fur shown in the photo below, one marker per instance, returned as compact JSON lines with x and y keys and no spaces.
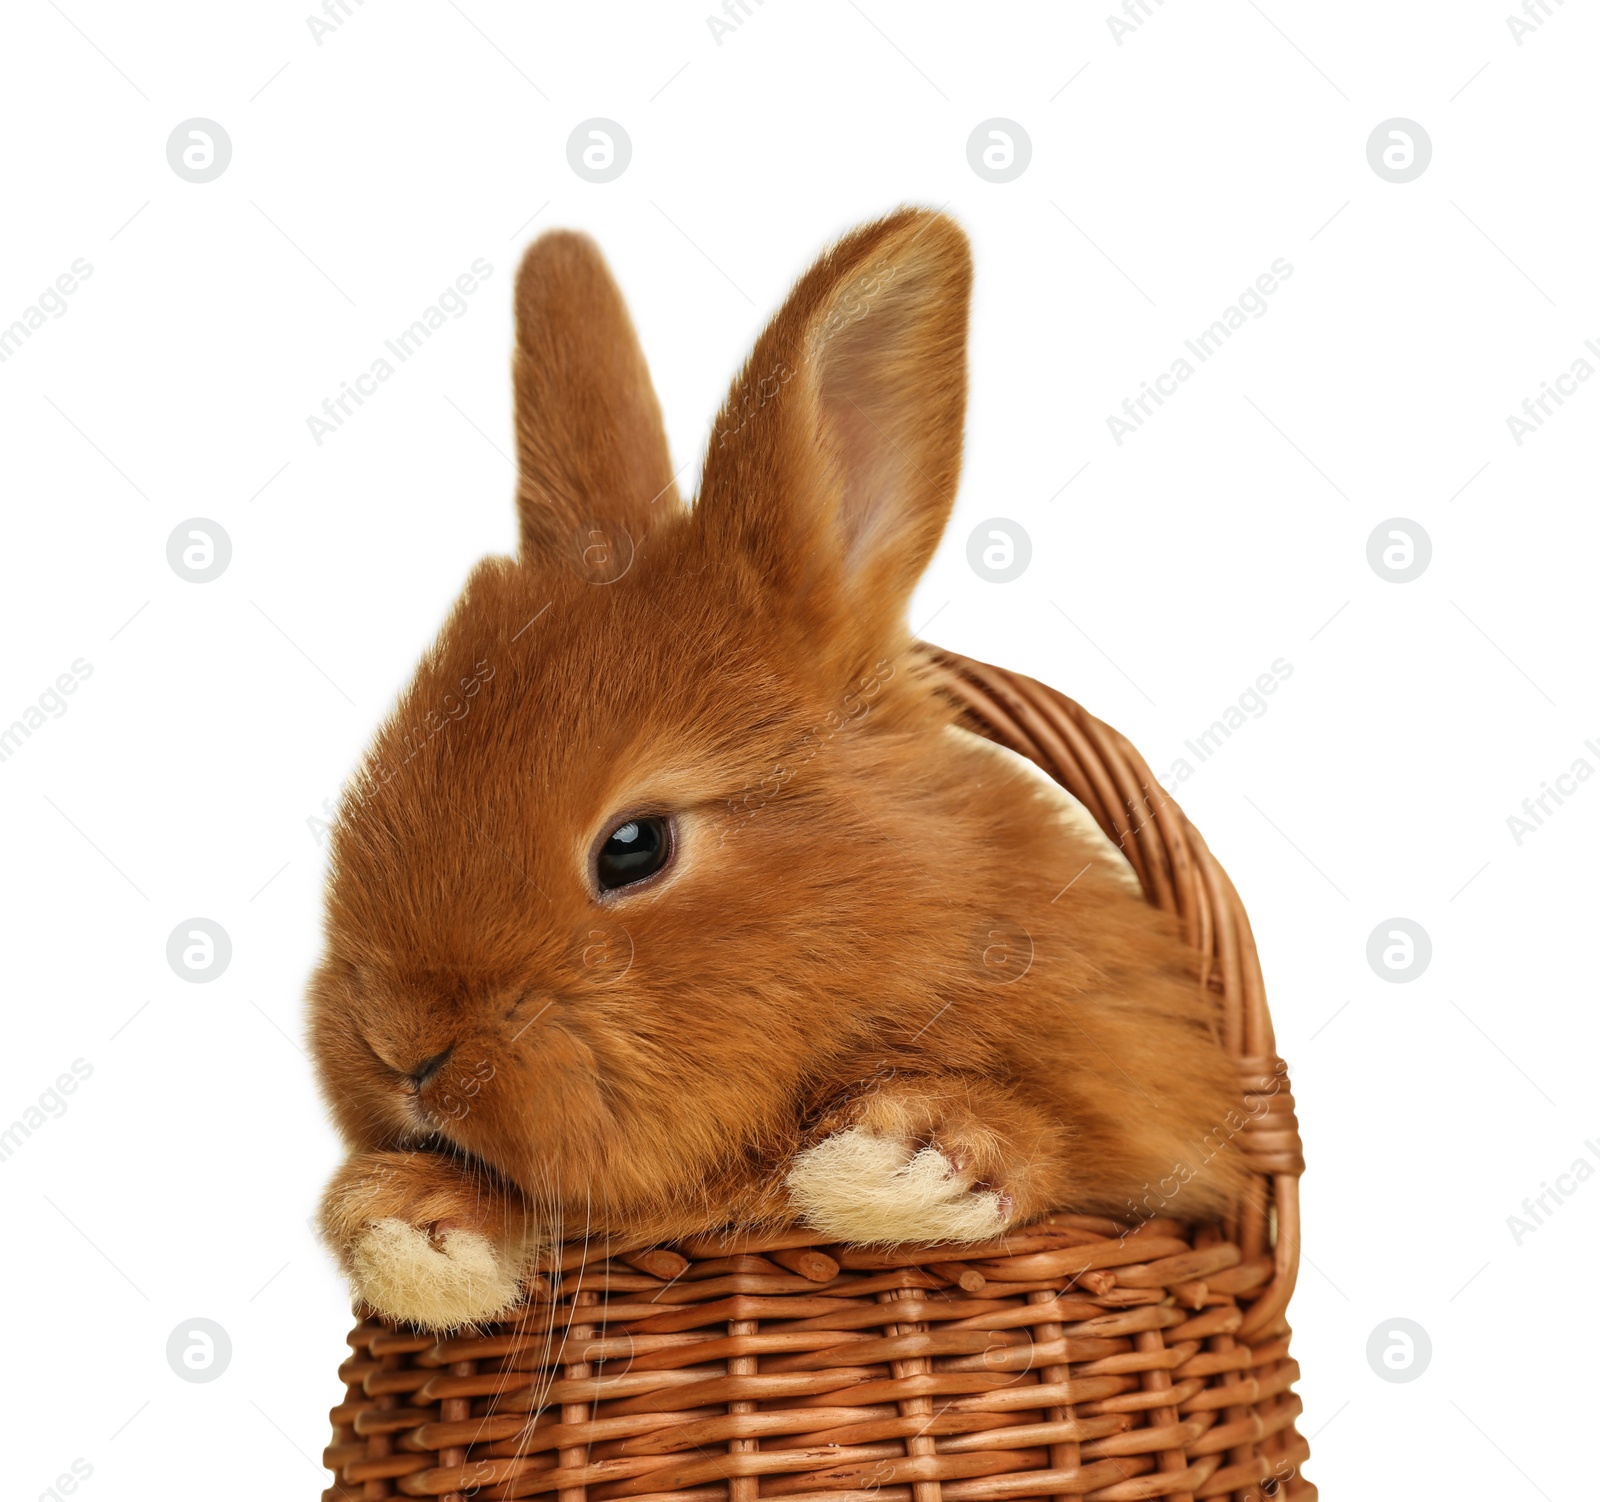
{"x":859,"y":1186}
{"x":796,"y":1018}
{"x":454,"y":1278}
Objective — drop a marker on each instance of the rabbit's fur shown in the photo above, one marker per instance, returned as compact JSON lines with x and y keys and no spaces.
{"x":822,"y":1008}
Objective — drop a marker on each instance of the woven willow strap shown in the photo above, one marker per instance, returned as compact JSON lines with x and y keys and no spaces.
{"x":1074,"y":1360}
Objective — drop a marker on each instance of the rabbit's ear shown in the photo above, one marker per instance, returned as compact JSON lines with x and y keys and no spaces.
{"x":833,"y":466}
{"x":590,"y":445}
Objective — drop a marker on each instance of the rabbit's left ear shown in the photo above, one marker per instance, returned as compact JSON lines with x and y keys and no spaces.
{"x":591,"y":449}
{"x":833,"y":465}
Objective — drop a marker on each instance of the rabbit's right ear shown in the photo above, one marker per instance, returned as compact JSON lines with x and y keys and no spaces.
{"x":833,"y":465}
{"x":590,"y":445}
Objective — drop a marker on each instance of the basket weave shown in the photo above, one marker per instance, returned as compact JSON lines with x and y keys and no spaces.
{"x":1079,"y":1358}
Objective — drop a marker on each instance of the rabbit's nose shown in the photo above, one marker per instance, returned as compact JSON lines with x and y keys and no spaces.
{"x":418,"y":1078}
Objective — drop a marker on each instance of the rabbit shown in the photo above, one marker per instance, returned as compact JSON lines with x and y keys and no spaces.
{"x":667,"y":899}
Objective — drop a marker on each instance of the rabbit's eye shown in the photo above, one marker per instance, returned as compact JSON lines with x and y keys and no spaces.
{"x":631,"y":852}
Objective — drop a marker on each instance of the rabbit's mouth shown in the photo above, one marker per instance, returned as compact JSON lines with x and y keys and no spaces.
{"x":430,"y":1116}
{"x":441,"y":1146}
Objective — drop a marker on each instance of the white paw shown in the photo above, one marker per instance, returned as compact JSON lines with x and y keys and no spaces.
{"x":861,"y":1187}
{"x":459,"y":1280}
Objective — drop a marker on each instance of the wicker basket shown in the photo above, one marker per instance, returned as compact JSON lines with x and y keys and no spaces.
{"x":1078,"y":1358}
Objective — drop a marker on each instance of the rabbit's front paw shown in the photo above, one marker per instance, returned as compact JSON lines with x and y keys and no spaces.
{"x":862,"y":1186}
{"x":425,"y":1241}
{"x":437,"y":1277}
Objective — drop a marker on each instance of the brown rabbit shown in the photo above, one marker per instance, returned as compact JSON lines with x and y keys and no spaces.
{"x":669,"y":895}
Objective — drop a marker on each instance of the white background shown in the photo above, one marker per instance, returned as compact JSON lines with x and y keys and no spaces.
{"x":1168,"y":172}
